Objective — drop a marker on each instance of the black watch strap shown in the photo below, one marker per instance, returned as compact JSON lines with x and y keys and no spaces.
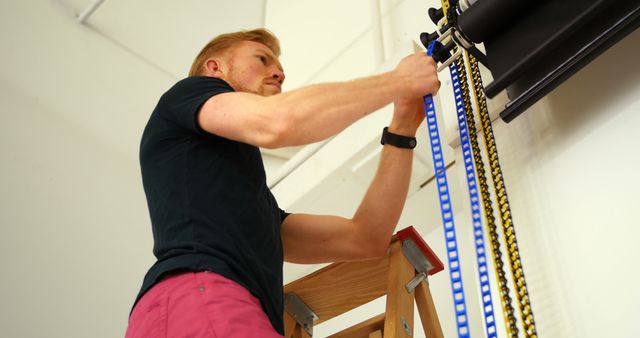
{"x":397,"y":140}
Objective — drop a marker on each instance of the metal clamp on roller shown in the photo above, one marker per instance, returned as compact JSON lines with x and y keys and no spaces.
{"x":465,"y":24}
{"x":439,"y":51}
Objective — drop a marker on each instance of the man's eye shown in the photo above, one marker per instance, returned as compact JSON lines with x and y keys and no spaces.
{"x":263,"y":59}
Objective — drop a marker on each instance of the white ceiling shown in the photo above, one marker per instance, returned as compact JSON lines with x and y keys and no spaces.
{"x":167,"y":33}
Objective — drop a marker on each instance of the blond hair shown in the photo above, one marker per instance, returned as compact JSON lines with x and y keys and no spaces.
{"x":224,"y":42}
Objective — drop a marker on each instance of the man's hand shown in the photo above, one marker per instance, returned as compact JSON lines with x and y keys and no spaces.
{"x":420,"y":75}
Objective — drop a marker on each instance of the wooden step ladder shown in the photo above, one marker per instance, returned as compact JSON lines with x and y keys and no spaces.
{"x":341,"y":287}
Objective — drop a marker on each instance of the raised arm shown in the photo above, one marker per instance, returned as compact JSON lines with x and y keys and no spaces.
{"x":312,"y":113}
{"x":318,"y":239}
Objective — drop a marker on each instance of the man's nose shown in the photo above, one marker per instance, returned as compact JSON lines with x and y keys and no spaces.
{"x":278,"y":75}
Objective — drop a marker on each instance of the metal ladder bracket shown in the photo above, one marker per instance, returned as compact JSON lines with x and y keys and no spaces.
{"x":302,"y":313}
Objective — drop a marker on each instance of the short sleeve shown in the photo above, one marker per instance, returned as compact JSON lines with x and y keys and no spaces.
{"x":181,"y":103}
{"x":283,"y":215}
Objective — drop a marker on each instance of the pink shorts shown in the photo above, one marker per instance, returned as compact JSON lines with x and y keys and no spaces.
{"x":199,"y":304}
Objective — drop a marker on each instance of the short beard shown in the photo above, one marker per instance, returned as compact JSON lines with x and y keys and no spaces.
{"x":230,"y":79}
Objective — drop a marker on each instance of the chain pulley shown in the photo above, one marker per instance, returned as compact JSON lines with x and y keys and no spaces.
{"x":449,"y":52}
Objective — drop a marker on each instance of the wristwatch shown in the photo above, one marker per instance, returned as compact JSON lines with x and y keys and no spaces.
{"x":397,"y":140}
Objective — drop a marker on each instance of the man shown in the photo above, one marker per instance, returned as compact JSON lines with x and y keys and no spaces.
{"x":219,"y":235}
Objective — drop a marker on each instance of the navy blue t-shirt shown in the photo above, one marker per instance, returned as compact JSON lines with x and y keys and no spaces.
{"x":210,"y":207}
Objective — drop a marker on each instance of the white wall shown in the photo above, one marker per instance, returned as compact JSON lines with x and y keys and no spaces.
{"x":71,"y":226}
{"x":570,"y":166}
{"x":74,"y":228}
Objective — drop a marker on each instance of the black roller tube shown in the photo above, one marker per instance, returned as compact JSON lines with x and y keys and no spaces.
{"x":486,"y":17}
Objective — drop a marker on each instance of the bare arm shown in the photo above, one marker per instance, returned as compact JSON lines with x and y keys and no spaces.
{"x":315,"y":112}
{"x":318,"y":239}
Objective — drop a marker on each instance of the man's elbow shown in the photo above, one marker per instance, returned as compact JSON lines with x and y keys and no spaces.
{"x":375,"y":247}
{"x":378,"y":251}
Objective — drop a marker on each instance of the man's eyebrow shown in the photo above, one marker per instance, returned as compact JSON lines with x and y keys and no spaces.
{"x":270,"y":56}
{"x":264,"y":51}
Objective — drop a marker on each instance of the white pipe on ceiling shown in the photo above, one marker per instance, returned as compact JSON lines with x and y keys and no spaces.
{"x":296,"y":161}
{"x":84,"y":16}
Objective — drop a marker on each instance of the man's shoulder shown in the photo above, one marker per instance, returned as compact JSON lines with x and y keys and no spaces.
{"x":204,"y":82}
{"x":194,"y":88}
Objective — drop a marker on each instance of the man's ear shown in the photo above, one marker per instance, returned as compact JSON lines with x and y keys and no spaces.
{"x":213,"y":67}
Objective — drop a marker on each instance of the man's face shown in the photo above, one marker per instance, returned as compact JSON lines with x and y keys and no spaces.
{"x":252,"y":67}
